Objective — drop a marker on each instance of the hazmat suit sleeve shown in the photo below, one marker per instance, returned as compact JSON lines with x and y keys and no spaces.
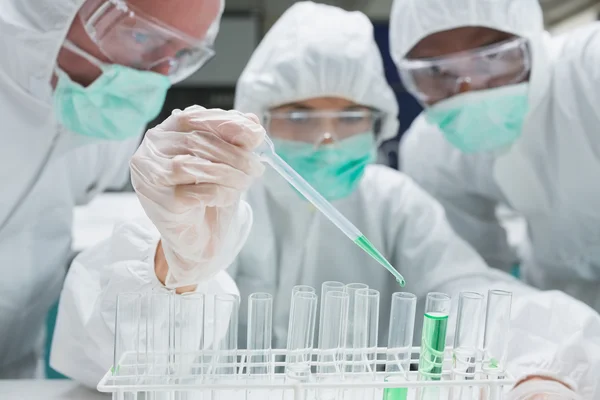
{"x":83,"y":339}
{"x":101,"y":165}
{"x":456,"y":181}
{"x":552,"y":334}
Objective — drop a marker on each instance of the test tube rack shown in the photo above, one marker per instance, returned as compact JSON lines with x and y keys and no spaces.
{"x":152,"y":361}
{"x":197,"y":380}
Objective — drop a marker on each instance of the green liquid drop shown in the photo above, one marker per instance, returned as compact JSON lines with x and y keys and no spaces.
{"x":368,"y":247}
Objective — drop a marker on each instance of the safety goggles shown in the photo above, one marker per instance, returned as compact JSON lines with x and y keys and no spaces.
{"x":435,"y":79}
{"x":132,"y":38}
{"x":320,"y":126}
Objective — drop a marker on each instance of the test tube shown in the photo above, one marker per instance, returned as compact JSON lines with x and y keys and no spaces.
{"x":466,"y":337}
{"x":296,"y":289}
{"x":225,"y":337}
{"x":302,"y":288}
{"x":433,"y":339}
{"x":400,"y":340}
{"x":332,"y":335}
{"x":159,"y":333}
{"x":351,"y":289}
{"x":497,"y":326}
{"x":466,"y":342}
{"x":190,"y":333}
{"x":259,"y":337}
{"x":327,"y":287}
{"x":126,"y":360}
{"x":300,"y":336}
{"x":332,"y":338}
{"x":260,"y":331}
{"x":366,"y":330}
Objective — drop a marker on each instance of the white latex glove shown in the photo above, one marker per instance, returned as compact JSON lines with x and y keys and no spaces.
{"x":538,"y":389}
{"x":189,"y":174}
{"x":553,"y":335}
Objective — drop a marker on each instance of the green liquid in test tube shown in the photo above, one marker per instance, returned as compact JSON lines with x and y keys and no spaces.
{"x":433,"y":344}
{"x":395,"y":394}
{"x":267,"y":153}
{"x":433,"y":340}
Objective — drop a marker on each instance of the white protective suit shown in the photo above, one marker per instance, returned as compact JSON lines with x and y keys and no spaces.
{"x":48,"y":171}
{"x":318,"y":50}
{"x":548,"y":175}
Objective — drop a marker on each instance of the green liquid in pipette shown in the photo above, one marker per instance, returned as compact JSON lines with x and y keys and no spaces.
{"x":368,"y":247}
{"x":433,"y":344}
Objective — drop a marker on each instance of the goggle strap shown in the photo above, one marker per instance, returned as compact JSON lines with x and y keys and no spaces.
{"x":73,"y":48}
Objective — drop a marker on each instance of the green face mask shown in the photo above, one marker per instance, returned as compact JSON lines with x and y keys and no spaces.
{"x":116,"y":106}
{"x":333,"y":170}
{"x":484,"y":120}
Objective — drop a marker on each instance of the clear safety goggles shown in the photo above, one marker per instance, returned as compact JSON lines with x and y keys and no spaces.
{"x":434,"y":79}
{"x":318,"y":127}
{"x":132,"y":38}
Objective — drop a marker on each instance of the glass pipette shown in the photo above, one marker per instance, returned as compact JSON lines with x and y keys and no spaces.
{"x":267,"y":153}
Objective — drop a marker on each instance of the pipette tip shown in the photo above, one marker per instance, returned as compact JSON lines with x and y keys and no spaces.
{"x":368,"y":247}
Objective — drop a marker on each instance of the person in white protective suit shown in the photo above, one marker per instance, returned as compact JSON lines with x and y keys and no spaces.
{"x":317,"y":82}
{"x":511,"y":118}
{"x":66,"y":139}
{"x":191,"y":171}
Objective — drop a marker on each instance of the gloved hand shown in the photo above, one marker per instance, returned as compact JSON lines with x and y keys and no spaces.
{"x":553,"y":335}
{"x":541,"y":388}
{"x":189,"y":174}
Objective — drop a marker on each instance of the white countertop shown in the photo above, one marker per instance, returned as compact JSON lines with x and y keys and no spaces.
{"x":95,"y":221}
{"x":47,"y":389}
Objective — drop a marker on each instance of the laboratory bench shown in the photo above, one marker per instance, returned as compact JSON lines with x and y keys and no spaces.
{"x":47,"y":389}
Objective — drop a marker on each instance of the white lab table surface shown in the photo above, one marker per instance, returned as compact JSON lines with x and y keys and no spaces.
{"x":47,"y":389}
{"x":95,"y":221}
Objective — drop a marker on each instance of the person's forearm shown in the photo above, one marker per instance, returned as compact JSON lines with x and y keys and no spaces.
{"x":541,"y":378}
{"x":161,"y":268}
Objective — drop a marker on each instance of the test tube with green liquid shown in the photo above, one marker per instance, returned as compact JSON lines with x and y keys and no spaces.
{"x":266,"y":151}
{"x":433,"y":339}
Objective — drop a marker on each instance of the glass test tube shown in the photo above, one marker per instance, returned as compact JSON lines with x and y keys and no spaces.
{"x":260,"y":332}
{"x":466,"y":337}
{"x":126,"y":361}
{"x":302,"y":288}
{"x":296,"y":289}
{"x":351,"y":289}
{"x":332,"y":335}
{"x":332,"y":338}
{"x":300,"y":336}
{"x":366,"y":330}
{"x":466,"y":343}
{"x":159,"y":333}
{"x":225,"y":337}
{"x":433,"y":339}
{"x":400,"y":341}
{"x":363,"y":347}
{"x":497,"y":326}
{"x":327,"y":287}
{"x":190,"y":333}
